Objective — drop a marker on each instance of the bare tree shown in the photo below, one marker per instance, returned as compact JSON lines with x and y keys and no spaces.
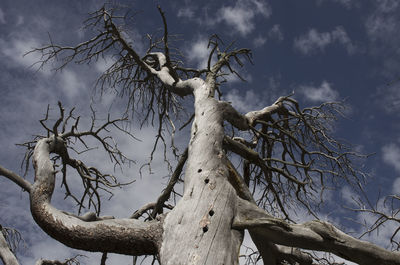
{"x":287,"y":154}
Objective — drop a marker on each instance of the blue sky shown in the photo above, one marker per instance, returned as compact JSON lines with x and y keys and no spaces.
{"x":323,"y":50}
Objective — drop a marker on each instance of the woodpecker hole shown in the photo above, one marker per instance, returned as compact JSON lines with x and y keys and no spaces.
{"x":199,"y":171}
{"x":211,"y":212}
{"x":205,"y":229}
{"x":207,"y":180}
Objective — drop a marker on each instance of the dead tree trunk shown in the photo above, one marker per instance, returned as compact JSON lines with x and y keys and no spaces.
{"x":198,"y":230}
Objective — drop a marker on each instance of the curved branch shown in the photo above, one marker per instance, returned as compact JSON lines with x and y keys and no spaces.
{"x":233,"y":116}
{"x":314,"y":235}
{"x":123,"y":236}
{"x":20,"y":181}
{"x":252,"y":116}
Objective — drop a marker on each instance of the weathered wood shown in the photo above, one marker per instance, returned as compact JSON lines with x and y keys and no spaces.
{"x":198,"y":230}
{"x":124,"y":236}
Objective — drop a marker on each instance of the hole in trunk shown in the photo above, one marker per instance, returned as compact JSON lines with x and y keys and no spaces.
{"x":207,"y":180}
{"x":205,"y":229}
{"x":198,"y":171}
{"x":211,"y":212}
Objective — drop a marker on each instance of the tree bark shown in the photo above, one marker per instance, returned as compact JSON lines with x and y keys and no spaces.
{"x":314,"y":235}
{"x":198,"y":230}
{"x":123,"y":236}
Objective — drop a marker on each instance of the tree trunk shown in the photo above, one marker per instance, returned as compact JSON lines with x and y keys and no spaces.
{"x":198,"y":230}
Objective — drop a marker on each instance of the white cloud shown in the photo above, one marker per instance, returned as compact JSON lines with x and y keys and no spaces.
{"x":346,"y":3}
{"x":382,"y":235}
{"x":104,"y":63}
{"x":396,"y":186}
{"x":348,"y":195}
{"x":388,"y":97}
{"x":2,"y":17}
{"x":198,"y":52}
{"x":15,"y":49}
{"x":20,"y":20}
{"x":340,"y":35}
{"x":311,"y":41}
{"x":276,"y":33}
{"x":238,"y":15}
{"x":259,"y":41}
{"x":241,"y":15}
{"x":249,"y":100}
{"x":387,"y":6}
{"x":244,"y":103}
{"x":382,"y":29}
{"x":186,"y":11}
{"x":314,"y":41}
{"x":322,"y":93}
{"x":391,"y":155}
{"x":71,"y":85}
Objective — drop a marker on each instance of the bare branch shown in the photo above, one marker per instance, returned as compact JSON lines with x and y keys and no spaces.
{"x":385,"y":211}
{"x":20,"y":181}
{"x":93,"y":181}
{"x":124,"y":236}
{"x":314,"y":235}
{"x":223,"y":60}
{"x":70,"y":261}
{"x":173,"y":180}
{"x":292,"y":152}
{"x":6,"y":254}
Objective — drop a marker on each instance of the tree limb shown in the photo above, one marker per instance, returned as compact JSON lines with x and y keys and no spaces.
{"x":70,"y":261}
{"x":123,"y":236}
{"x":20,"y":181}
{"x":294,"y":158}
{"x":269,"y":252}
{"x":167,"y":191}
{"x":267,"y":111}
{"x":314,"y":235}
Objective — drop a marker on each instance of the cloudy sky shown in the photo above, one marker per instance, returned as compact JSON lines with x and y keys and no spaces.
{"x":323,"y":50}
